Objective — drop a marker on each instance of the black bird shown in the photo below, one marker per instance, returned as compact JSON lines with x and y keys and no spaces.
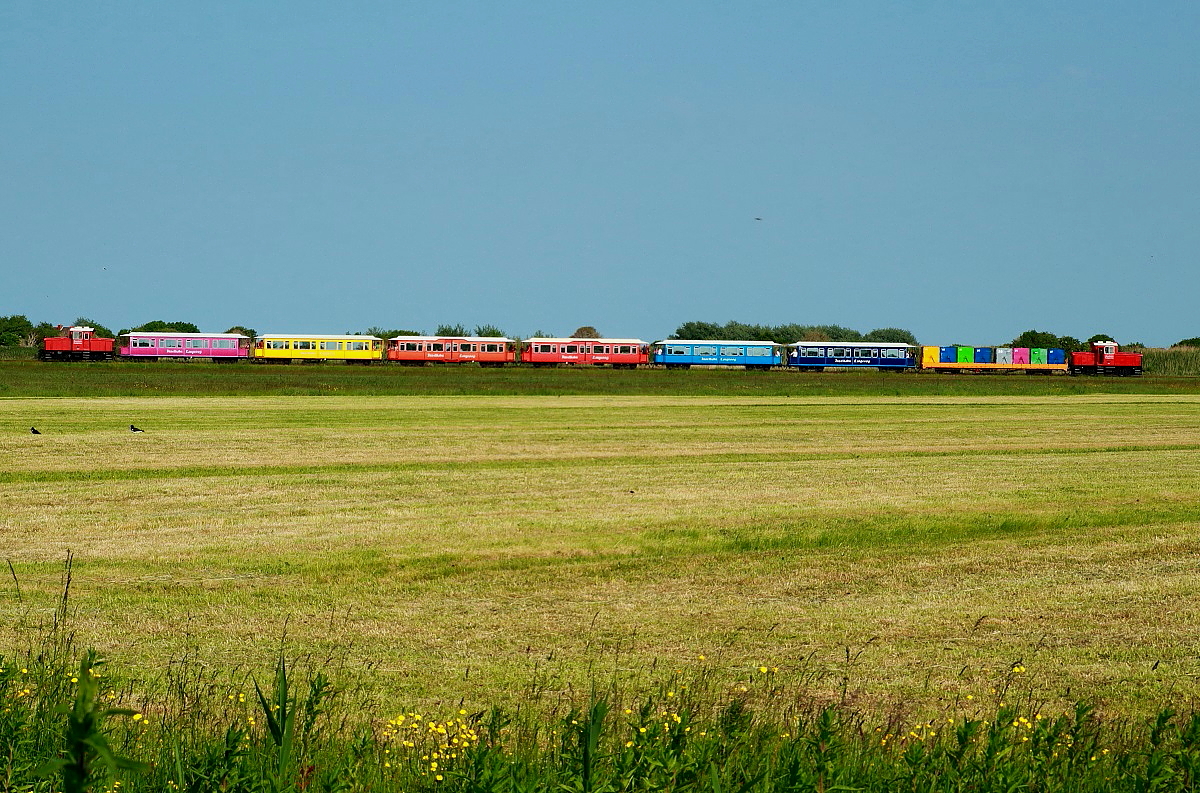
{"x":134,"y":429}
{"x":34,"y":431}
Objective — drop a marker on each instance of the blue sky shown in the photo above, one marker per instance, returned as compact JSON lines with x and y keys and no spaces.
{"x":966,"y":171}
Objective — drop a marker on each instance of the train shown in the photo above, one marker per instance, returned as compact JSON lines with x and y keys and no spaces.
{"x":81,"y":343}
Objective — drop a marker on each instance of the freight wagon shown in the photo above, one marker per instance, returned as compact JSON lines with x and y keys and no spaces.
{"x":994,"y":359}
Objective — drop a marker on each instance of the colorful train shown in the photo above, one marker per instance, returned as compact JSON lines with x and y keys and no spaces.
{"x":82,"y":344}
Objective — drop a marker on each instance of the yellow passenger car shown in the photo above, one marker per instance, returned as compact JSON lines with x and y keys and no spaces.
{"x":289,"y":347}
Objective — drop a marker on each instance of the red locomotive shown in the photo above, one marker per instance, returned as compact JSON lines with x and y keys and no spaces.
{"x":1105,"y":359}
{"x":76,"y":343}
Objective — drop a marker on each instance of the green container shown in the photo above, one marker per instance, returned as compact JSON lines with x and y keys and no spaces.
{"x":966,"y":355}
{"x":1037,"y":355}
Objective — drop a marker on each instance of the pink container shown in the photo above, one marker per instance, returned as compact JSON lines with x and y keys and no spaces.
{"x":1021,"y":355}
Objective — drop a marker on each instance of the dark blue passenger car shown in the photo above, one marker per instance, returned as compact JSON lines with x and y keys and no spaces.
{"x":816,"y":355}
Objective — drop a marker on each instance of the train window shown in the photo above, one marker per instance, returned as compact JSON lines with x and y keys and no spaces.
{"x":224,"y":344}
{"x":733,"y":351}
{"x":599,"y":348}
{"x":624,"y":349}
{"x":677,"y":351}
{"x":839,"y":352}
{"x":303,"y":345}
{"x":172,"y":342}
{"x":437,"y":346}
{"x":277,"y":345}
{"x":758,"y":352}
{"x":468,"y":347}
{"x":491,"y":348}
{"x":196,"y":344}
{"x":570,"y":348}
{"x":356,"y":345}
{"x":813,"y":352}
{"x":143,"y":342}
{"x":331,"y":345}
{"x":707,"y":350}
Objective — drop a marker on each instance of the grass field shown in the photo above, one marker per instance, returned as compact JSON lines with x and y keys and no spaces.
{"x":893,"y":552}
{"x":124,"y":379}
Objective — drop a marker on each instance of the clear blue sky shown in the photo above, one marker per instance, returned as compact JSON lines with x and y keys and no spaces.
{"x":963,"y":170}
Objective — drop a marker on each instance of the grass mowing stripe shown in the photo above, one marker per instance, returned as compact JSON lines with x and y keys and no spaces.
{"x":199,"y":472}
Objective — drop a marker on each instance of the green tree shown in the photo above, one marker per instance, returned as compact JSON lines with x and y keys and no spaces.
{"x":14,"y":330}
{"x":489,"y":330}
{"x":1071,"y":344}
{"x":1035,"y":338}
{"x":586,"y":332}
{"x":159,"y":326}
{"x":91,"y":323}
{"x":1100,"y":337}
{"x":541,"y":334}
{"x":893,"y":335}
{"x":1192,"y":342}
{"x":242,"y":329}
{"x":385,"y":333}
{"x":451,"y":330}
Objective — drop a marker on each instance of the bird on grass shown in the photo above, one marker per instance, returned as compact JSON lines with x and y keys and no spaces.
{"x":134,"y":429}
{"x":34,"y":431}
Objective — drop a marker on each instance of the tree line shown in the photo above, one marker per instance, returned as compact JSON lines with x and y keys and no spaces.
{"x":788,"y":334}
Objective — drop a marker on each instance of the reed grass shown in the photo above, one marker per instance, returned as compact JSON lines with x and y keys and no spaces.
{"x":1172,"y":362}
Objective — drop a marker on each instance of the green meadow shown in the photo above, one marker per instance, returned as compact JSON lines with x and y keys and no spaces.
{"x":891,"y":553}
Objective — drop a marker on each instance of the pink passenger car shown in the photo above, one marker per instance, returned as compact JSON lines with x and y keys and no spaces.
{"x":219,"y":347}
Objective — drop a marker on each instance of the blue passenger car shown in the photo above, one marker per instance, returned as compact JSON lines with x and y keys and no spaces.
{"x":816,"y":355}
{"x":685,"y":353}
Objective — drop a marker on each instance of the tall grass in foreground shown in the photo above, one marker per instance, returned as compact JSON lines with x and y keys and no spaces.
{"x":67,"y":726}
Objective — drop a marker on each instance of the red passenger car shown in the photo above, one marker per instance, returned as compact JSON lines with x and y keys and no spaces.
{"x":617,"y":353}
{"x":483,"y":350}
{"x":1105,"y":359}
{"x":76,"y":343}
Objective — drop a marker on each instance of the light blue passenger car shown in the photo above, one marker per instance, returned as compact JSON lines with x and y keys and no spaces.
{"x":686,"y":353}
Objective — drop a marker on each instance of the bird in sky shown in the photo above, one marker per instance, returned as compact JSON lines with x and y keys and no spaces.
{"x":34,"y":431}
{"x":134,"y":429}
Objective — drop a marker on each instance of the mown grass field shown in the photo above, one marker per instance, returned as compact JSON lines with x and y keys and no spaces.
{"x":895,"y":552}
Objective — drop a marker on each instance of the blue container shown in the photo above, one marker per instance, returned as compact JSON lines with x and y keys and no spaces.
{"x":947,"y":355}
{"x":984,"y":355}
{"x":1056,"y":356}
